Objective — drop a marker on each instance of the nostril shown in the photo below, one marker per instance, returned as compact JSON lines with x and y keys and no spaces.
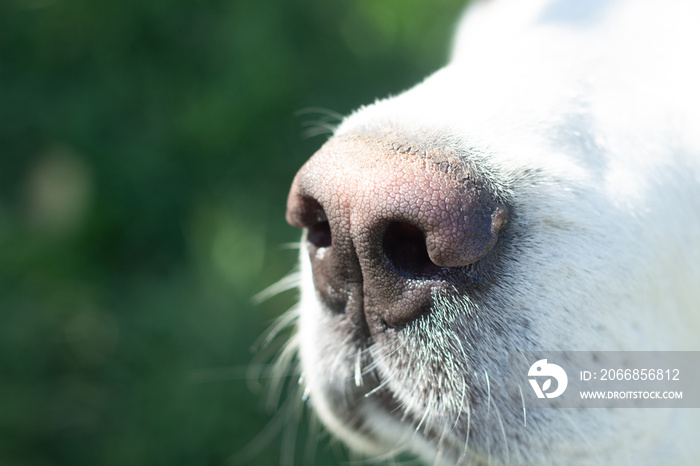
{"x":405,"y":249}
{"x":319,"y":235}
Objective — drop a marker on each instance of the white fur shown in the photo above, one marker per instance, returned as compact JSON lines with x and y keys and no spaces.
{"x":587,"y":115}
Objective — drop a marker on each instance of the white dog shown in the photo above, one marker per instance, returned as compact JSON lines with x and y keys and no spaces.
{"x":541,"y":192}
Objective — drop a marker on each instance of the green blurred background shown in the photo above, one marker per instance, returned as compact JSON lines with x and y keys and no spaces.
{"x":146,"y":149}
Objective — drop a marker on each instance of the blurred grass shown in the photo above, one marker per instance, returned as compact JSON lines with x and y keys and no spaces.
{"x":146,"y":149}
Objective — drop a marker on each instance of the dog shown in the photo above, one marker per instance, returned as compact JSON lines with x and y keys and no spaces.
{"x":540,"y":192}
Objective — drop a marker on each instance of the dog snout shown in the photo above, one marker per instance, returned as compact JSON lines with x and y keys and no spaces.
{"x":387,"y":226}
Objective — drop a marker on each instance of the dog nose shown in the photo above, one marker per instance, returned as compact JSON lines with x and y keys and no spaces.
{"x":388,"y":225}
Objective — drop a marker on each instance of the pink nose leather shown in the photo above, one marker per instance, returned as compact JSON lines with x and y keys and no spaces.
{"x":385,"y":221}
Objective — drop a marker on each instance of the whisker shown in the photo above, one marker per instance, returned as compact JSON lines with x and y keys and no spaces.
{"x":377,"y":388}
{"x":488,"y":391}
{"x":466,"y":442}
{"x":318,"y":128}
{"x":285,"y":321}
{"x":326,"y":123}
{"x":328,"y":113}
{"x":285,"y":360}
{"x":358,"y":368}
{"x":522,"y":398}
{"x":288,"y":282}
{"x":426,"y":412}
